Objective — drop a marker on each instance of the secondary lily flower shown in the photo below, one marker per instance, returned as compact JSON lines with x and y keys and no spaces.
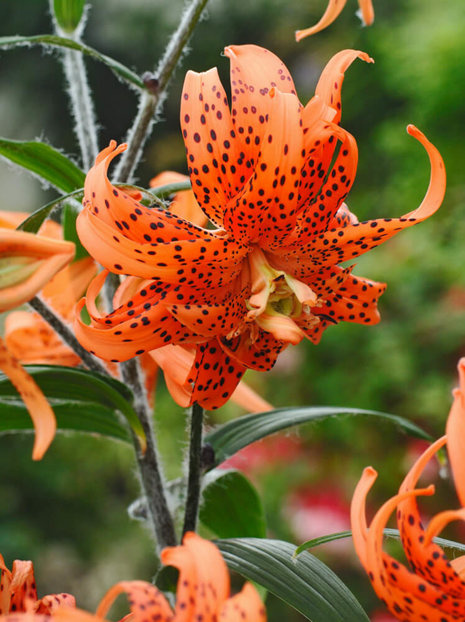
{"x":333,"y":10}
{"x":272,"y":177}
{"x":27,"y":263}
{"x":434,"y":588}
{"x":18,"y":592}
{"x":203,"y":592}
{"x":183,"y":203}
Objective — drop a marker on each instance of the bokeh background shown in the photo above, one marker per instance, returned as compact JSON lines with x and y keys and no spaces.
{"x":68,"y":513}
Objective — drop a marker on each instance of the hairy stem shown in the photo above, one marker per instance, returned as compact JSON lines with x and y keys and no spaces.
{"x":152,"y":480}
{"x":66,"y":335}
{"x":195,"y":469}
{"x":152,"y":100}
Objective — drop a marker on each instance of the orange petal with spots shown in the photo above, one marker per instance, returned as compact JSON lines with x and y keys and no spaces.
{"x":203,"y":584}
{"x":37,"y":260}
{"x":51,"y":603}
{"x":183,"y":203}
{"x":333,"y":11}
{"x":39,"y":409}
{"x":243,"y":607}
{"x":146,"y":601}
{"x":455,"y":432}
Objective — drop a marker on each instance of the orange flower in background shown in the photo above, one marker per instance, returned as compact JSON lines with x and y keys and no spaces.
{"x":183,"y":203}
{"x":272,"y":176}
{"x":18,"y":592}
{"x":333,"y":10}
{"x":434,"y":588}
{"x":203,"y":592}
{"x":27,"y":263}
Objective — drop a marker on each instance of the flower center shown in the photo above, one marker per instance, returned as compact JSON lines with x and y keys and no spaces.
{"x":278,"y":300}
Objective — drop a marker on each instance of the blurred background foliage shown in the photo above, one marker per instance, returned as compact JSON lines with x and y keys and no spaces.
{"x":68,"y":513}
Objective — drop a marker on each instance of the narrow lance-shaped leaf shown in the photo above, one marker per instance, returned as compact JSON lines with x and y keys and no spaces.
{"x":83,"y":401}
{"x":45,"y":162}
{"x":116,"y":67}
{"x":230,"y":505}
{"x":229,"y":438}
{"x":35,"y":220}
{"x":70,"y":213}
{"x":305,"y":583}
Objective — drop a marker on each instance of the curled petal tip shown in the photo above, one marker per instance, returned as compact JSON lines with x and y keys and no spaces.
{"x":370,"y":471}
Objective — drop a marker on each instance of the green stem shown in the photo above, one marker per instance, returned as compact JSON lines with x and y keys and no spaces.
{"x":151,"y":102}
{"x":195,"y":469}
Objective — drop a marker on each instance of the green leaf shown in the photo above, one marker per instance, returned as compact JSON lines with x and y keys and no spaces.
{"x":229,"y":438}
{"x":116,"y":67}
{"x":305,"y":583}
{"x":34,"y":221}
{"x":70,"y":213}
{"x":83,"y":401}
{"x":68,"y":13}
{"x":230,"y":506}
{"x":389,"y":533}
{"x":45,"y":162}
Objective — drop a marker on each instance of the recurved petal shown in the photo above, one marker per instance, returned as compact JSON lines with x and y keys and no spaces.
{"x":330,"y":83}
{"x":39,"y":409}
{"x":338,"y":245}
{"x":333,"y":10}
{"x":146,"y":601}
{"x":27,"y":262}
{"x":244,"y":607}
{"x":455,"y":432}
{"x":255,"y":349}
{"x":216,"y":168}
{"x":68,"y":285}
{"x":203,"y":584}
{"x":50,"y":603}
{"x":266,"y":210}
{"x":215,"y":375}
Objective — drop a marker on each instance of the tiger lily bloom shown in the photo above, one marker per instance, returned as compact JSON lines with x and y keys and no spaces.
{"x":272,"y":177}
{"x":333,"y":10}
{"x":434,"y":588}
{"x":18,"y":592}
{"x":27,"y":263}
{"x":202,"y":592}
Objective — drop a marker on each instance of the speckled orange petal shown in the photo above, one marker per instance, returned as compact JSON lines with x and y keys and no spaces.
{"x":213,"y":259}
{"x":427,"y":557}
{"x":455,"y":432}
{"x":258,"y":351}
{"x":343,"y":218}
{"x":266,"y":210}
{"x":22,"y":588}
{"x":146,"y":601}
{"x":48,"y":604}
{"x":203,"y":583}
{"x":183,"y":203}
{"x":254,"y":72}
{"x":330,"y":83}
{"x":354,"y":301}
{"x":68,"y":614}
{"x":332,"y":11}
{"x":39,"y":409}
{"x":214,"y":374}
{"x":338,"y":245}
{"x":216,"y":169}
{"x":47,"y":255}
{"x":243,"y":607}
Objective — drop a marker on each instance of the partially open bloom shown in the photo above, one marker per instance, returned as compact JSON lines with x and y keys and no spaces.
{"x":27,"y":263}
{"x":18,"y":592}
{"x":434,"y":588}
{"x":272,"y":177}
{"x":333,"y":9}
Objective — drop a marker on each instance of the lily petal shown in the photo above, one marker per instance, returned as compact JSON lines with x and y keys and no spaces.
{"x":244,"y":607}
{"x":331,"y":13}
{"x":39,"y":409}
{"x":455,"y":432}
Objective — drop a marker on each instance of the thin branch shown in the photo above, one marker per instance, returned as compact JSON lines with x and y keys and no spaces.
{"x":151,"y":102}
{"x":66,"y":335}
{"x":152,"y":480}
{"x":195,"y":469}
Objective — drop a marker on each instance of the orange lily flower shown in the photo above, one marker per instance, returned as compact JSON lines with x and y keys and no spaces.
{"x":202,"y":593}
{"x":268,"y":275}
{"x":18,"y":592}
{"x":333,"y":10}
{"x":434,"y":588}
{"x":27,"y":263}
